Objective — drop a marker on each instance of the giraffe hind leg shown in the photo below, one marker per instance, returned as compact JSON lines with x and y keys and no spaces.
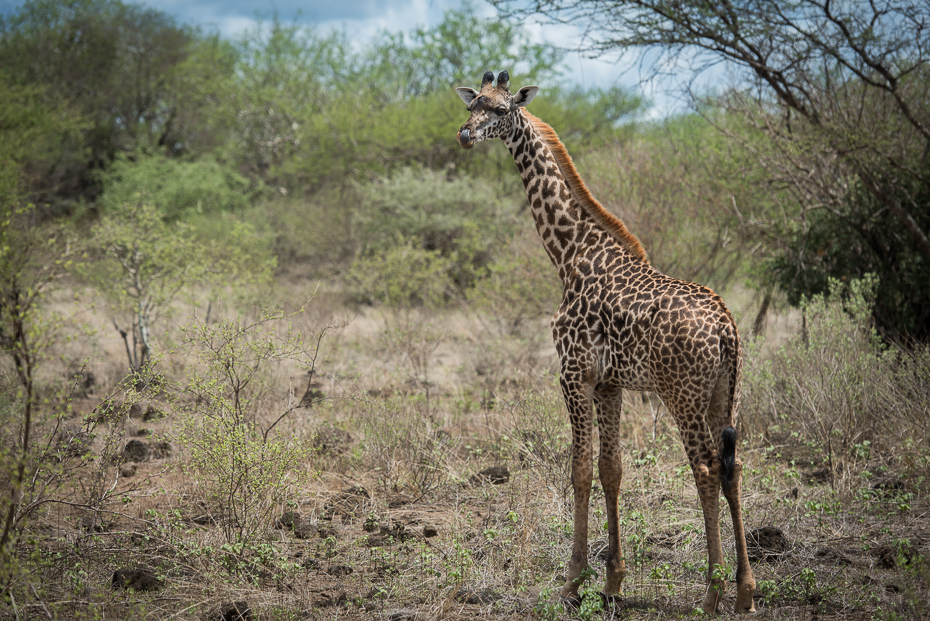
{"x":720,"y":421}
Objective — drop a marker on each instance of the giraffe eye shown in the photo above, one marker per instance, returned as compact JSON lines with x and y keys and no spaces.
{"x":501,"y":111}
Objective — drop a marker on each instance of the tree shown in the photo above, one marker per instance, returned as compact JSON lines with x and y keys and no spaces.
{"x":141,"y":80}
{"x":840,"y":91}
{"x":152,"y":262}
{"x":29,"y":263}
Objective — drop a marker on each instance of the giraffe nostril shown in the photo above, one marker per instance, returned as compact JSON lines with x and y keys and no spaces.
{"x":464,"y":135}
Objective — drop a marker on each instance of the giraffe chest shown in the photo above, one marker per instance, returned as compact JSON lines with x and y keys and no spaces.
{"x":606,"y":333}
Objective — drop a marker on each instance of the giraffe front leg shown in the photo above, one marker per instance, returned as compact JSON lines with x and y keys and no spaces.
{"x":579,"y":409}
{"x":610,"y":469}
{"x":582,"y":474}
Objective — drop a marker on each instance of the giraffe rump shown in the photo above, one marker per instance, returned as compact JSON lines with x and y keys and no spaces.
{"x":579,"y":190}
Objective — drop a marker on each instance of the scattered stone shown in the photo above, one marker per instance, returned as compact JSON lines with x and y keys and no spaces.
{"x":91,"y":523}
{"x":153,"y":413}
{"x":834,"y":556}
{"x":135,"y":411}
{"x":495,"y":475}
{"x":232,"y":611}
{"x":885,"y":557}
{"x":403,"y":614}
{"x":136,"y":450}
{"x":136,"y":579}
{"x":347,"y":503}
{"x":143,"y":432}
{"x":371,"y":524}
{"x":325,"y":531}
{"x":204,"y":519}
{"x":767,"y":543}
{"x":335,"y":599}
{"x":288,"y":520}
{"x":332,"y":440}
{"x":339,"y":570}
{"x":430,"y":531}
{"x":477,"y":597}
{"x":294,"y":522}
{"x":161,"y":450}
{"x":127,"y":470}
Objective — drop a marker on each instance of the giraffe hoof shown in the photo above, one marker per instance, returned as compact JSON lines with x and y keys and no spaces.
{"x":744,"y":603}
{"x":569,"y":602}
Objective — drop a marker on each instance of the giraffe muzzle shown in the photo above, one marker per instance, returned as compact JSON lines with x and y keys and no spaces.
{"x":465,"y":139}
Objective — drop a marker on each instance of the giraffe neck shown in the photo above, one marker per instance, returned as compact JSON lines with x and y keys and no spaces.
{"x":563,"y":210}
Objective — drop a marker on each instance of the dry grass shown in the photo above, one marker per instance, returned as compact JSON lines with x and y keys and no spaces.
{"x":412,"y":436}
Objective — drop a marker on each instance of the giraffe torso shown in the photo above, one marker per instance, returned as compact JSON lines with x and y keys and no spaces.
{"x":627,"y":325}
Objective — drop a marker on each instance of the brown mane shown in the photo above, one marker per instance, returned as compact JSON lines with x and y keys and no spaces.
{"x":606,"y":220}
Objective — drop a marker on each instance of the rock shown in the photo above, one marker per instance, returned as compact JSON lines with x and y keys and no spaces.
{"x":91,"y":523}
{"x":477,"y":596}
{"x":142,"y":432}
{"x":331,"y":599}
{"x":767,"y":543}
{"x":136,"y":450}
{"x":161,"y":450}
{"x":139,"y":579}
{"x":402,"y":614}
{"x":204,"y":519}
{"x":430,"y":531}
{"x":153,"y":413}
{"x":371,"y":524}
{"x":135,"y":411}
{"x":885,"y":557}
{"x":348,"y":503}
{"x":339,"y":570}
{"x":231,"y":611}
{"x":127,"y":470}
{"x":288,"y":520}
{"x":495,"y":475}
{"x":299,"y":527}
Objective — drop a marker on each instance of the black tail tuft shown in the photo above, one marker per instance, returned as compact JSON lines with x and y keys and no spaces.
{"x":728,"y":457}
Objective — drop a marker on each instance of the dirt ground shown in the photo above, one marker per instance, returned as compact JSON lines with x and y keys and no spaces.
{"x":393,"y":520}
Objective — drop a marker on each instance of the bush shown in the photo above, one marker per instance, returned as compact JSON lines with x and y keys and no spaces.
{"x":839,"y":389}
{"x":177,"y":188}
{"x":452,"y":215}
{"x":243,"y":466}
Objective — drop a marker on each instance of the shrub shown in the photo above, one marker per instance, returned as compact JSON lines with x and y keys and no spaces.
{"x":177,"y":188}
{"x":243,"y":469}
{"x":458,"y":217}
{"x":839,"y":388}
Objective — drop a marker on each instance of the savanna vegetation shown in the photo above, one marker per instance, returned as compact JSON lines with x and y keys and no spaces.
{"x":271,"y":341}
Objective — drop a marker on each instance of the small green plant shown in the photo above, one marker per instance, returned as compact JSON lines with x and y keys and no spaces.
{"x":244,"y":467}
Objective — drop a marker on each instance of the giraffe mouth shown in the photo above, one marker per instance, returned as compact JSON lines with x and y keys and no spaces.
{"x":465,"y":138}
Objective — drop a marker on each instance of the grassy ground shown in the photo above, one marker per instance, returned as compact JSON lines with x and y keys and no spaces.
{"x":388,"y":518}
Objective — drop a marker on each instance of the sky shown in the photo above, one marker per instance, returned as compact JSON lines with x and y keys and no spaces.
{"x":361,"y":19}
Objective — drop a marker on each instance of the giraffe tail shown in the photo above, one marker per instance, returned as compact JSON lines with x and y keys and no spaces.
{"x":728,"y":457}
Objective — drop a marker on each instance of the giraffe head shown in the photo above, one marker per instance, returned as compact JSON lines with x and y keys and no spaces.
{"x":492,"y":108}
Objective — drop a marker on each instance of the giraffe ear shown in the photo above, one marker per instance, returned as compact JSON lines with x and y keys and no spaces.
{"x":467,"y":94}
{"x":525,"y":95}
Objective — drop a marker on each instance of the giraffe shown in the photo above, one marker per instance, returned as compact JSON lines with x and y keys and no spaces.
{"x":623,"y":325}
